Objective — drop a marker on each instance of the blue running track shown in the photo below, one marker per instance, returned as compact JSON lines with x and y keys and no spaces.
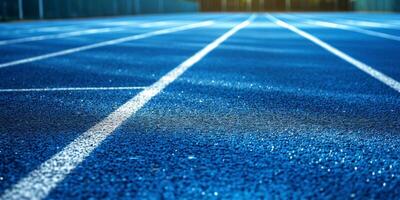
{"x":201,"y":106}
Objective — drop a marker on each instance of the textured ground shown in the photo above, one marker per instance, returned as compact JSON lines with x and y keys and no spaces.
{"x":266,"y":114}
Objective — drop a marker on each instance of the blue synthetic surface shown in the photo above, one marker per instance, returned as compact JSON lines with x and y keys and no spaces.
{"x":268,"y":114}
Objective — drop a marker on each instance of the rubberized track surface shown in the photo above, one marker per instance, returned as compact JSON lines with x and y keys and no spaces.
{"x":245,"y":106}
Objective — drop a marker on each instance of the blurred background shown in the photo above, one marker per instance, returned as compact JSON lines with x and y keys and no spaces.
{"x":50,"y":9}
{"x":299,"y":5}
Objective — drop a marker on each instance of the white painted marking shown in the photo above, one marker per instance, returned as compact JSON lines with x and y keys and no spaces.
{"x":370,"y":24}
{"x":120,"y":23}
{"x":354,"y":29}
{"x":345,"y":20}
{"x":60,"y":35}
{"x":69,"y":89}
{"x":38,"y":183}
{"x":107,"y":43}
{"x":83,"y":32}
{"x":155,"y":24}
{"x":55,"y":28}
{"x":121,"y":26}
{"x":360,"y":65}
{"x":34,"y":29}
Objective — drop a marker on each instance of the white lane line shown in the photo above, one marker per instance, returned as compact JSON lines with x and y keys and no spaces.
{"x":56,"y":28}
{"x":107,"y":43}
{"x":360,"y":65}
{"x":370,"y":24}
{"x":19,"y":30}
{"x":81,"y":33}
{"x":59,"y":36}
{"x":120,"y":27}
{"x":345,"y":27}
{"x":69,"y":89}
{"x":355,"y":22}
{"x":354,"y":29}
{"x":154,"y":24}
{"x":47,"y":29}
{"x":120,"y":23}
{"x":38,"y":183}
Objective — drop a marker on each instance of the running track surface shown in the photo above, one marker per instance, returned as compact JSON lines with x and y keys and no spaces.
{"x":192,"y":106}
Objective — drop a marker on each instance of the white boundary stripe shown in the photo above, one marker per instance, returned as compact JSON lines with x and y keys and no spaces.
{"x":18,"y":30}
{"x":108,"y":43}
{"x":161,"y":23}
{"x":354,"y":29}
{"x":69,"y":89}
{"x":360,"y":65}
{"x":88,"y":32}
{"x":38,"y":183}
{"x":359,"y":22}
{"x":350,"y":20}
{"x":58,"y":36}
{"x":81,"y":32}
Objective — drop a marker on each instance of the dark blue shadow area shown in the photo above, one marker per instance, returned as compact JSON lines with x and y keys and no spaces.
{"x":35,"y":126}
{"x":266,"y":115}
{"x":213,"y":150}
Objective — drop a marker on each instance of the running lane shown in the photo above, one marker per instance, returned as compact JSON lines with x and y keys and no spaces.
{"x":25,"y":50}
{"x":379,"y":53}
{"x":40,"y":124}
{"x":261,"y":113}
{"x":268,"y":114}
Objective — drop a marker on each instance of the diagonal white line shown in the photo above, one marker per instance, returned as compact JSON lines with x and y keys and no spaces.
{"x":69,"y":89}
{"x":354,"y":29}
{"x":120,"y":27}
{"x":161,"y":23}
{"x":360,"y":65}
{"x":83,"y":32}
{"x":38,"y":183}
{"x":107,"y":43}
{"x":60,"y":35}
{"x":39,"y":29}
{"x":371,"y":24}
{"x":349,"y":20}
